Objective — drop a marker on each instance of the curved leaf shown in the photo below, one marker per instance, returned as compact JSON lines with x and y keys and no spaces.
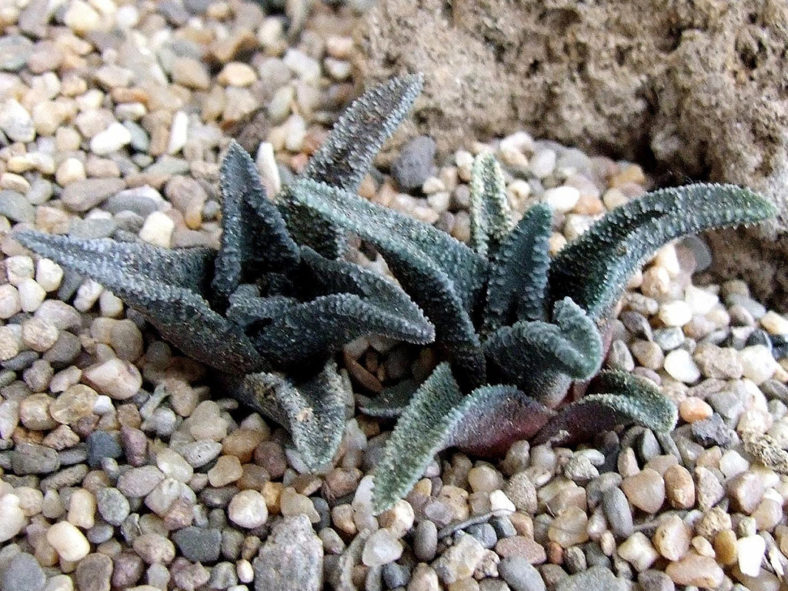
{"x":441,"y":274}
{"x":254,"y":235}
{"x":166,"y":286}
{"x":491,"y":217}
{"x":420,"y":433}
{"x":337,"y":277}
{"x":626,"y":399}
{"x":346,"y":156}
{"x":594,"y":269}
{"x":518,"y":273}
{"x":313,"y":411}
{"x":485,"y":422}
{"x":542,"y":357}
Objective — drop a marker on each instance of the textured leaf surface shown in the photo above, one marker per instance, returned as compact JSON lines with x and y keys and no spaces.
{"x":389,"y":402}
{"x":486,"y":422}
{"x":254,"y":237}
{"x":347,"y":154}
{"x":518,"y":274}
{"x":594,"y":269}
{"x":543,"y":357}
{"x":166,"y":286}
{"x":404,"y":318}
{"x":624,"y":399}
{"x":491,"y":217}
{"x":313,"y":411}
{"x":420,"y":433}
{"x":442,"y":275}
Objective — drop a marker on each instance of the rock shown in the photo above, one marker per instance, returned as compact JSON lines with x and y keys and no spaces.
{"x":712,"y":431}
{"x":116,"y":378}
{"x":138,"y":482}
{"x":569,"y":528}
{"x":88,"y":193}
{"x":562,"y":199}
{"x":425,"y":540}
{"x":68,"y":541}
{"x":110,"y":140}
{"x":694,"y":569}
{"x":191,"y":73}
{"x":617,"y":512}
{"x":112,"y":505}
{"x":12,"y":517}
{"x":522,"y":492}
{"x":596,"y":577}
{"x":291,"y":558}
{"x":248,"y":509}
{"x":679,"y":487}
{"x":381,"y":547}
{"x":638,"y":551}
{"x":94,"y":573}
{"x":16,"y":122}
{"x":14,"y":52}
{"x":680,"y":365}
{"x":645,"y":490}
{"x":15,"y":207}
{"x":414,"y":164}
{"x":154,"y":548}
{"x":32,"y":458}
{"x":672,"y":538}
{"x":520,"y":575}
{"x":460,"y":560}
{"x":23,"y":572}
{"x":199,"y":544}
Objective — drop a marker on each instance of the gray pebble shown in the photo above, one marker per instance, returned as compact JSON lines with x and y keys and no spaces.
{"x":425,"y":541}
{"x":291,"y":558}
{"x":94,"y":573}
{"x":21,"y":361}
{"x":395,"y":575}
{"x":415,"y":163}
{"x":619,"y":356}
{"x":100,"y":445}
{"x":112,"y":505}
{"x":14,"y":52}
{"x":88,"y":193}
{"x":199,"y":544}
{"x":92,"y":228}
{"x":520,"y":575}
{"x":32,"y":458}
{"x":575,"y":559}
{"x":712,"y":431}
{"x":223,"y":576}
{"x":23,"y":572}
{"x":648,"y":446}
{"x":16,"y":207}
{"x":655,"y":580}
{"x":140,"y":200}
{"x":595,"y":556}
{"x":138,"y":482}
{"x":637,"y":324}
{"x":617,"y":512}
{"x":669,"y":338}
{"x":100,"y":533}
{"x":484,"y":533}
{"x":596,"y":577}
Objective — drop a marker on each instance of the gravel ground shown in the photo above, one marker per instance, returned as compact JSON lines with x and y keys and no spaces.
{"x":120,"y":468}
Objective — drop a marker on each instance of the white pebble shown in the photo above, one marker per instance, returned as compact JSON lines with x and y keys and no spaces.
{"x":49,"y":275}
{"x":112,"y":139}
{"x":157,"y":229}
{"x":68,"y":541}
{"x":248,"y":509}
{"x":269,"y":171}
{"x":70,"y":171}
{"x":680,"y":365}
{"x":382,"y":547}
{"x":18,"y":268}
{"x":116,"y":378}
{"x":750,"y":550}
{"x":111,"y":306}
{"x":562,"y":198}
{"x":12,"y":518}
{"x":542,"y":163}
{"x":103,"y":405}
{"x":757,"y":362}
{"x":676,"y":313}
{"x":87,"y":294}
{"x":31,"y":294}
{"x":668,"y":259}
{"x":302,"y":65}
{"x":179,"y":132}
{"x":500,"y":504}
{"x":774,"y":323}
{"x":9,"y":301}
{"x":296,"y":132}
{"x":700,"y":300}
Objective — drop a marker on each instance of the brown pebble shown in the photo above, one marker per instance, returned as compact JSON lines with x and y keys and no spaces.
{"x":697,"y":570}
{"x":725,"y":547}
{"x":679,"y":487}
{"x":529,"y":549}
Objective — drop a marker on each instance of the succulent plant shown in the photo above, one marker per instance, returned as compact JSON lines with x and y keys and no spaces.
{"x":267,"y":300}
{"x":518,"y":328}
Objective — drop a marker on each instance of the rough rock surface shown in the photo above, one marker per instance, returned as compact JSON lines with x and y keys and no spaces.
{"x":291,"y":558}
{"x":699,"y":89}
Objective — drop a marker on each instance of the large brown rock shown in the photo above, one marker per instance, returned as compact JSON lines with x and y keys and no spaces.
{"x":698,"y":89}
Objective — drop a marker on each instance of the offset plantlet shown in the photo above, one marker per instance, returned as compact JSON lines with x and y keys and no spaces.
{"x":266,"y":302}
{"x":507,"y":315}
